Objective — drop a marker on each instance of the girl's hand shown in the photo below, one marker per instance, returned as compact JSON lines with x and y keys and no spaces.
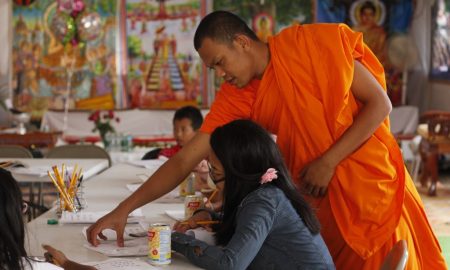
{"x":54,"y":256}
{"x":191,"y":223}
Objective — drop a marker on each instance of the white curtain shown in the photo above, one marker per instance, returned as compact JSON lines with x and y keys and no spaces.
{"x":5,"y":49}
{"x":421,"y":26}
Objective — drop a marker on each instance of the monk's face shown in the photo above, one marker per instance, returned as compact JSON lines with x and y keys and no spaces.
{"x":232,"y":62}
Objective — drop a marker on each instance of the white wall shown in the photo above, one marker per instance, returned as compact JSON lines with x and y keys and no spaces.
{"x":439,"y":96}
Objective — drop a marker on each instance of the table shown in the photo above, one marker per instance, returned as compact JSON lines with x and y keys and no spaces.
{"x":30,"y":139}
{"x":102,"y":192}
{"x":90,"y":168}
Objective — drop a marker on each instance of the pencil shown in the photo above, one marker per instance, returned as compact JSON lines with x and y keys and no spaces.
{"x":61,"y":192}
{"x":201,"y":222}
{"x":211,"y":197}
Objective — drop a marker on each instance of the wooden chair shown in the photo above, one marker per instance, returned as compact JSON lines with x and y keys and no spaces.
{"x":79,"y":151}
{"x":14,"y":151}
{"x":397,"y":257}
{"x":435,"y":132}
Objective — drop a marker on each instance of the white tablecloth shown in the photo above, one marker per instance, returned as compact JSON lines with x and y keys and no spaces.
{"x":132,"y":122}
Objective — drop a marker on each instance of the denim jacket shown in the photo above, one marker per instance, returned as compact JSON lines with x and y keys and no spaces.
{"x":269,"y":235}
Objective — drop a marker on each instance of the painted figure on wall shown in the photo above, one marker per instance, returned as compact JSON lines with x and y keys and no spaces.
{"x":368,"y":17}
{"x":45,"y":48}
{"x":159,"y":75}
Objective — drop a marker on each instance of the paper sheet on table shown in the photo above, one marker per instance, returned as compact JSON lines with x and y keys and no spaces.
{"x":134,"y":247}
{"x":39,"y":171}
{"x":171,"y":197}
{"x":150,"y":164}
{"x":111,"y":235}
{"x":121,"y":264}
{"x":203,"y":235}
{"x":178,"y":215}
{"x":92,"y":217}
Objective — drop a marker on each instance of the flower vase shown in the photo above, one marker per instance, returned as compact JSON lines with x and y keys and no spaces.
{"x":106,"y":139}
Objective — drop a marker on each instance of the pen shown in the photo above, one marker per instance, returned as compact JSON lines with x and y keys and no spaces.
{"x":202,"y":222}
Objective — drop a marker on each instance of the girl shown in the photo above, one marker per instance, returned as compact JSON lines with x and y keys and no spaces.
{"x":266,"y":224}
{"x":12,"y":234}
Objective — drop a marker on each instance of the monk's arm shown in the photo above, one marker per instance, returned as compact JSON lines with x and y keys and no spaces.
{"x":171,"y":173}
{"x":376,"y":107}
{"x":162,"y":181}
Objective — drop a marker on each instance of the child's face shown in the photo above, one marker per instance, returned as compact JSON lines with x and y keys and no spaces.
{"x":183,"y":131}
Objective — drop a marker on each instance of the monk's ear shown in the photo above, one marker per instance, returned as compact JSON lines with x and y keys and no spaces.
{"x":242,"y":41}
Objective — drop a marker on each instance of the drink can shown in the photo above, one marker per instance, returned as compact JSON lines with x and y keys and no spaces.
{"x":191,"y":204}
{"x":187,"y":186}
{"x":159,"y":250}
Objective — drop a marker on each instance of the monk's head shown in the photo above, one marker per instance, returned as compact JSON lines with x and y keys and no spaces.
{"x":226,"y":44}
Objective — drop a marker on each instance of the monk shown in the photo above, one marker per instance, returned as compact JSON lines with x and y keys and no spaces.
{"x":322,"y":91}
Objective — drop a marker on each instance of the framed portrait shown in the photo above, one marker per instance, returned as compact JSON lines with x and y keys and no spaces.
{"x":379,"y":21}
{"x":440,"y":55}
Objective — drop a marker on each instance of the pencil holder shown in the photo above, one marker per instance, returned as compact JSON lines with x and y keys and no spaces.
{"x":79,"y":201}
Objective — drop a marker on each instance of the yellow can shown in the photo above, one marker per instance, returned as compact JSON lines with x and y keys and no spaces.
{"x":159,"y":250}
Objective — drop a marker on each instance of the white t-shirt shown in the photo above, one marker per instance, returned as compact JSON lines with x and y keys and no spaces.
{"x":40,"y":265}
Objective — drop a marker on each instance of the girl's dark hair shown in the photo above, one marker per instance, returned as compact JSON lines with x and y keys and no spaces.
{"x":246,"y":151}
{"x":12,"y":233}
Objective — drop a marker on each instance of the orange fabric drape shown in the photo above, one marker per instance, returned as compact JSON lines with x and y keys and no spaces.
{"x":304,"y":98}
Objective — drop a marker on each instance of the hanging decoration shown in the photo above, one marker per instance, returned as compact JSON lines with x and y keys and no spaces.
{"x":73,"y":25}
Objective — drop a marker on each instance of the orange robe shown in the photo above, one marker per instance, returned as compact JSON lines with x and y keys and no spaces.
{"x":304,"y":98}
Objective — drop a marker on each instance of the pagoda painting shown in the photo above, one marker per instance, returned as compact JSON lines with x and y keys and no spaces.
{"x":164,"y":70}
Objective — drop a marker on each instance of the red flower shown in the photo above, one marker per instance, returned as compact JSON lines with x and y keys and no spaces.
{"x":111,"y":114}
{"x":95,"y":116}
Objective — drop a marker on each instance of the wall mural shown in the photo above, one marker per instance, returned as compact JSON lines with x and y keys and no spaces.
{"x":52,"y":38}
{"x":383,"y":23}
{"x":164,"y":70}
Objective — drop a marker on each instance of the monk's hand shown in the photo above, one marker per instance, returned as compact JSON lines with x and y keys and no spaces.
{"x":316,"y":176}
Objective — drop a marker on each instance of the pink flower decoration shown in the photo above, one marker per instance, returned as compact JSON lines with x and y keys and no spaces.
{"x":270,"y":174}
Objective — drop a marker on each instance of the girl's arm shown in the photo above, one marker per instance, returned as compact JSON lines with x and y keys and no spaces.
{"x":254,"y":222}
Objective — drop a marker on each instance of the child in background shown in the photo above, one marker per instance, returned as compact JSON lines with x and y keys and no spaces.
{"x":186,"y":121}
{"x":12,"y":234}
{"x":266,"y":223}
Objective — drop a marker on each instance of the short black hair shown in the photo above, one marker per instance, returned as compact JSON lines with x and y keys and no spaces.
{"x":368,"y":5}
{"x":222,"y":26}
{"x":192,"y":113}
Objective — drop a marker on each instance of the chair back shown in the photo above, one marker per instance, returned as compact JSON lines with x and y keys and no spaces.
{"x":14,"y":151}
{"x":79,"y":151}
{"x":438,"y":124}
{"x":397,"y":257}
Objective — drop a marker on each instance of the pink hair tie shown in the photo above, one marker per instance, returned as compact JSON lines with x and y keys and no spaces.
{"x":270,"y":174}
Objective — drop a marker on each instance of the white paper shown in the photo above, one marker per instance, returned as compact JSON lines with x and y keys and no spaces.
{"x":202,"y":234}
{"x":178,"y":215}
{"x":111,"y":234}
{"x":134,"y":247}
{"x":133,"y":187}
{"x":171,"y":197}
{"x":150,"y":164}
{"x":121,"y":264}
{"x":39,"y":171}
{"x":92,"y":217}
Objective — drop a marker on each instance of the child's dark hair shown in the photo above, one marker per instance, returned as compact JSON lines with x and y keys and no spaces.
{"x":12,"y":233}
{"x":192,"y":113}
{"x":246,"y":151}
